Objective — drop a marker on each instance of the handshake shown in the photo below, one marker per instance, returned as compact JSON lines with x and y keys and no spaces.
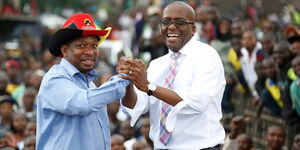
{"x":136,"y":72}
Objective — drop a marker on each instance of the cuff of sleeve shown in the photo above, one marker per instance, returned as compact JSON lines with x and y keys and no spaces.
{"x":134,"y":113}
{"x":182,"y":93}
{"x":172,"y":116}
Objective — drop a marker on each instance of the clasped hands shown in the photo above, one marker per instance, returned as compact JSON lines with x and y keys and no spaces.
{"x":136,"y":72}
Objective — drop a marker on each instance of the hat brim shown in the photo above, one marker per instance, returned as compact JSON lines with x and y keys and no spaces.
{"x":293,"y":39}
{"x":63,"y":36}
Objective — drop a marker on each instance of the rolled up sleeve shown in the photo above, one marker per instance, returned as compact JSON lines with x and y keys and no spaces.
{"x":207,"y":88}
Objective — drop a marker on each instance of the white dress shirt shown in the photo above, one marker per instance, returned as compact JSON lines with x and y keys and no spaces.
{"x":248,"y":62}
{"x":200,"y":82}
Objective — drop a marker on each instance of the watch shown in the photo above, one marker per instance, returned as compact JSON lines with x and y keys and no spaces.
{"x":151,"y":89}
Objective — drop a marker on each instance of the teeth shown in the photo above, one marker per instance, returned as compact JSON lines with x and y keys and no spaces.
{"x":87,"y":60}
{"x":173,"y":35}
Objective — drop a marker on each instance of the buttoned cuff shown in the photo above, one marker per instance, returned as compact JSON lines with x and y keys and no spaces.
{"x":134,"y":113}
{"x":178,"y":108}
{"x":172,"y":116}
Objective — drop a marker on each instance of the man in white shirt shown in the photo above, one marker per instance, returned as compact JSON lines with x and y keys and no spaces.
{"x":249,"y":58}
{"x":193,"y":91}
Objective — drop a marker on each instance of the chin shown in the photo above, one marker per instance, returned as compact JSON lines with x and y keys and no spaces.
{"x":86,"y":69}
{"x":172,"y":47}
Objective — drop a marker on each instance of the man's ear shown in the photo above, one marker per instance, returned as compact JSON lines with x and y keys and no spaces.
{"x":194,"y":29}
{"x":64,"y":50}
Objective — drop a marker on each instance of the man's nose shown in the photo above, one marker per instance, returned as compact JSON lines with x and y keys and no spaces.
{"x":172,"y":26}
{"x":90,"y":50}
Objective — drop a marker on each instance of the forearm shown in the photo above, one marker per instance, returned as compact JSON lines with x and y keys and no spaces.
{"x":167,"y":95}
{"x":130,"y":98}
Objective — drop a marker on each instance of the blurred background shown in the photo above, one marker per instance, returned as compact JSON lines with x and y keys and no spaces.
{"x":258,"y":42}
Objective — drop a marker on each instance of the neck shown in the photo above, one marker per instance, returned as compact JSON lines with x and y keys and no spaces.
{"x":28,"y":109}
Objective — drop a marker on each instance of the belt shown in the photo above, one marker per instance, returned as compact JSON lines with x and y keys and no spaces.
{"x":217,"y":147}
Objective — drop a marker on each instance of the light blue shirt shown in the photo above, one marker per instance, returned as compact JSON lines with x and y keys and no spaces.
{"x":71,"y":111}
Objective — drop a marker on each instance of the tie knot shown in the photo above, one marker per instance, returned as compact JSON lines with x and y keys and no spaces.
{"x":175,"y":55}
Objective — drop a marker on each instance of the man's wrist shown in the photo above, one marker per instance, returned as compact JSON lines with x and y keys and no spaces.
{"x":151,"y":89}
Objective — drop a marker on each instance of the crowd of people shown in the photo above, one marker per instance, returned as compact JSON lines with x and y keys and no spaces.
{"x":260,"y":54}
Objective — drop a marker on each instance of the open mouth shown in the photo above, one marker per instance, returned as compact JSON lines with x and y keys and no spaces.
{"x":173,"y":36}
{"x":88,"y":61}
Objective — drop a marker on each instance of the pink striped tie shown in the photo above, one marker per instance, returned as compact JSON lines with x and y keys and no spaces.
{"x":166,"y":108}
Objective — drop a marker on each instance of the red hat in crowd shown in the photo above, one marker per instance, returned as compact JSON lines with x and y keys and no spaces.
{"x":76,"y":26}
{"x":12,"y":64}
{"x":292,"y":34}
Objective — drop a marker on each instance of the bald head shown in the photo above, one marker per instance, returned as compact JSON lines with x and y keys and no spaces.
{"x":183,"y":32}
{"x":182,"y":7}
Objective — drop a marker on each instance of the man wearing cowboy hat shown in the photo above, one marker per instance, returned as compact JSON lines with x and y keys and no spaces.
{"x":71,"y":110}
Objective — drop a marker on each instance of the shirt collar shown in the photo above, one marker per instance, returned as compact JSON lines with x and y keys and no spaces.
{"x":72,"y":70}
{"x":185,"y":49}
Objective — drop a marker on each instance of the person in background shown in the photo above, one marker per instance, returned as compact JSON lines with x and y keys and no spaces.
{"x":295,"y":42}
{"x":296,"y":142}
{"x":13,"y":70}
{"x":244,"y":142}
{"x":223,"y":36}
{"x":30,"y":130}
{"x":271,"y":96}
{"x":237,"y":127}
{"x":36,"y":78}
{"x":3,"y":83}
{"x":275,"y":138}
{"x":29,"y":107}
{"x":114,"y":122}
{"x":293,"y":36}
{"x":283,"y":57}
{"x":7,"y":141}
{"x":145,"y":129}
{"x":19,"y":123}
{"x":201,"y":21}
{"x":261,"y":77}
{"x":117,"y":142}
{"x":71,"y":108}
{"x":30,"y":143}
{"x":138,"y":145}
{"x":128,"y":133}
{"x":236,"y":28}
{"x":6,"y":112}
{"x":268,"y":42}
{"x":260,"y":86}
{"x":48,"y":60}
{"x":295,"y":86}
{"x":249,"y":58}
{"x":295,"y":89}
{"x":234,"y":76}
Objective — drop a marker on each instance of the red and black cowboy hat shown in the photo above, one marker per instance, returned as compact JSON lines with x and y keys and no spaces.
{"x":76,"y":26}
